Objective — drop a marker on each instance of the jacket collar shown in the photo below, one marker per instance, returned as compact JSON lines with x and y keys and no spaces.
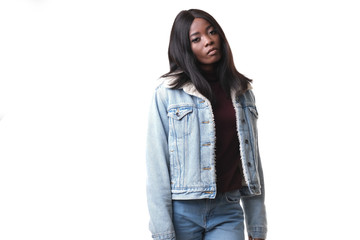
{"x":190,"y":89}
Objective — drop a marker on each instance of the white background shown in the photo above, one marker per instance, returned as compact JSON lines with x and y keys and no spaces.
{"x":75,"y":81}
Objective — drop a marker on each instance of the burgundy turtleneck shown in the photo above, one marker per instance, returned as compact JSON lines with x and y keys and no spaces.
{"x":228,"y":173}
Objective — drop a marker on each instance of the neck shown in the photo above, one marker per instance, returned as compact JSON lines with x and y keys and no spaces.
{"x":210,"y":75}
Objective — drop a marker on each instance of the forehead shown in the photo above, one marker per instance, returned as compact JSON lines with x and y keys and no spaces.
{"x":198,"y":25}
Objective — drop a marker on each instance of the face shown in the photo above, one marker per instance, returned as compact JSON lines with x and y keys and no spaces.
{"x":205,"y":43}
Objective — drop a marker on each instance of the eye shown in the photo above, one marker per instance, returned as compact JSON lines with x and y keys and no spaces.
{"x":213,"y":32}
{"x":195,"y":40}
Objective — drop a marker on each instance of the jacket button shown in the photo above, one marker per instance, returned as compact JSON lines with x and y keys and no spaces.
{"x":246,"y":141}
{"x":249,"y":164}
{"x":243,"y":120}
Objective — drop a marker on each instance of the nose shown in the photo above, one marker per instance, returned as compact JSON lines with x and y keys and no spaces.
{"x":208,"y":41}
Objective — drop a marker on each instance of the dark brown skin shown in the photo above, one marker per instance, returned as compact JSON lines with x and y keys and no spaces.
{"x":205,"y":44}
{"x":250,"y":238}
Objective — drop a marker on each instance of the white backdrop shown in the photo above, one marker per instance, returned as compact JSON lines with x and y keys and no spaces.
{"x":75,"y":82}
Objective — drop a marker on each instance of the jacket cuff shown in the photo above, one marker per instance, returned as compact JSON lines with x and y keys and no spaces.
{"x":164,"y":236}
{"x":257,"y":232}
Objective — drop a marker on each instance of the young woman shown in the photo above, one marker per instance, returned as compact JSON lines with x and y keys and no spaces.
{"x":202,"y":148}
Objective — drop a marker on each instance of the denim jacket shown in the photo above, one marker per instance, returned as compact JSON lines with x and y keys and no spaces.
{"x":180,"y":156}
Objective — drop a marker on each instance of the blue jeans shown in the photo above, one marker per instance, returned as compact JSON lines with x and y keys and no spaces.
{"x":209,"y":219}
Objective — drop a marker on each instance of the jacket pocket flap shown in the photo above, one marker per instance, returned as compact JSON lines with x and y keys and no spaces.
{"x":179,"y":112}
{"x":254,"y":111}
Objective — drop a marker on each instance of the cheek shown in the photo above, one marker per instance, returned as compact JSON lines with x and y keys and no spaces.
{"x":196,"y":51}
{"x":217,"y":40}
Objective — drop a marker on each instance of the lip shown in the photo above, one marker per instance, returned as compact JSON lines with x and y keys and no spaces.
{"x":212,"y":51}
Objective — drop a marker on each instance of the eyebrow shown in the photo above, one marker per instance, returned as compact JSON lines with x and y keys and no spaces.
{"x":196,"y":33}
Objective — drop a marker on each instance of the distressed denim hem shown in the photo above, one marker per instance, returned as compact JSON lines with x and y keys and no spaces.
{"x":164,"y":236}
{"x":257,"y":232}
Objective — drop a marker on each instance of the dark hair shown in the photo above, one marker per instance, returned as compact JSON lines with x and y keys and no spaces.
{"x":183,"y":63}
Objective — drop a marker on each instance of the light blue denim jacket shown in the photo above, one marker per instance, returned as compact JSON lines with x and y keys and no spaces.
{"x":180,"y":156}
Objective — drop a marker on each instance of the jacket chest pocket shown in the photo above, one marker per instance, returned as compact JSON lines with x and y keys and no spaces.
{"x":254,"y":112}
{"x":180,"y":120}
{"x":252,"y":116}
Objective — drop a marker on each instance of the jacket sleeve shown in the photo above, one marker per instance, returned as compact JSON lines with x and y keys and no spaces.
{"x":158,"y":173}
{"x":255,"y":211}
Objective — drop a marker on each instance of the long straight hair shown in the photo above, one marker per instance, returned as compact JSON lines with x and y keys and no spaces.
{"x":184,"y":65}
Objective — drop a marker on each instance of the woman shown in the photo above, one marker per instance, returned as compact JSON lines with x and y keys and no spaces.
{"x":202,"y":150}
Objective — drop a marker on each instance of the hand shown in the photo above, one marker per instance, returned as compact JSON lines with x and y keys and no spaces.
{"x":250,"y":238}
